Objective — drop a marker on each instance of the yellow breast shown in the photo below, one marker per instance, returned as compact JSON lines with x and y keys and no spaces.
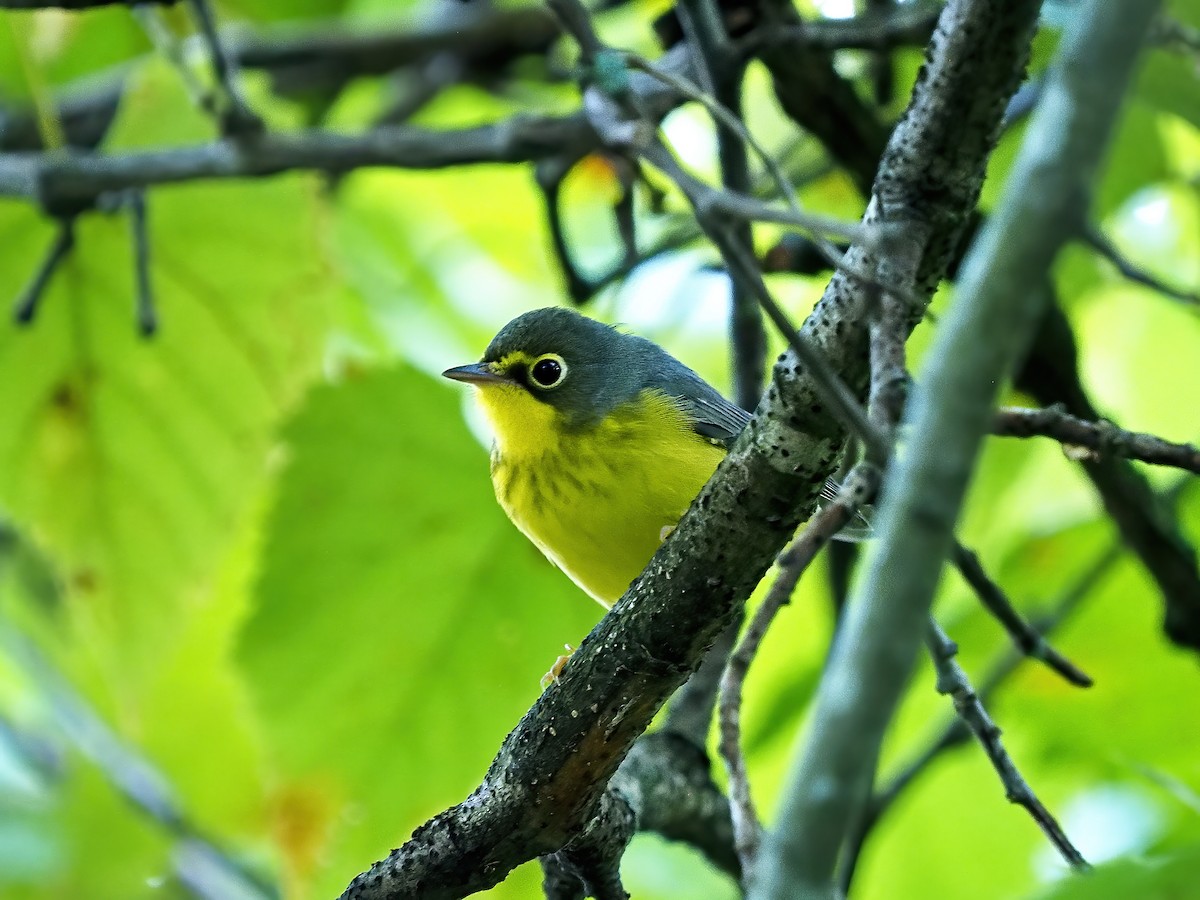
{"x":597,"y":501}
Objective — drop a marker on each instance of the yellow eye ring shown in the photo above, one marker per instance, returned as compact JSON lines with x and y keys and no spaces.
{"x":548,"y":371}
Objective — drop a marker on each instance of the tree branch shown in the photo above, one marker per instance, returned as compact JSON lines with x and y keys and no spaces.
{"x":885,"y":619}
{"x":1050,"y":374}
{"x":26,"y":306}
{"x":1023,"y":635}
{"x":1096,"y":239}
{"x":1102,"y":437}
{"x":857,"y":489}
{"x":956,"y":733}
{"x":953,"y":682}
{"x":72,"y":181}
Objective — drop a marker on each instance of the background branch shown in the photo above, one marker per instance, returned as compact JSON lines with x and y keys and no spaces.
{"x":877,"y":643}
{"x":1102,"y":437}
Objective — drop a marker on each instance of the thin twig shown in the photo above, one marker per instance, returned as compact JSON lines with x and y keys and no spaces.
{"x":237,"y":119}
{"x":719,"y":72}
{"x":1099,"y":241}
{"x":1024,"y":636}
{"x":856,"y":490}
{"x":26,"y":305}
{"x":550,"y":174}
{"x":147,"y":317}
{"x":955,"y":732}
{"x":1101,"y":437}
{"x":953,"y":682}
{"x":171,"y":48}
{"x":761,"y":211}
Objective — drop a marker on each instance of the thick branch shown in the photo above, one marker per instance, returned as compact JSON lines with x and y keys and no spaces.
{"x":999,"y":299}
{"x":72,"y":181}
{"x":551,"y":768}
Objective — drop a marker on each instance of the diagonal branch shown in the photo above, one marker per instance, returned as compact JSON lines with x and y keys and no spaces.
{"x":1026,"y":638}
{"x":1096,"y":239}
{"x":974,"y":349}
{"x":955,"y":733}
{"x":26,"y":306}
{"x":953,"y":681}
{"x":552,"y":767}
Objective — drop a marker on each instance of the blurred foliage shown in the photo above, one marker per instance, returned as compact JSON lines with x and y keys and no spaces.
{"x":262,"y":546}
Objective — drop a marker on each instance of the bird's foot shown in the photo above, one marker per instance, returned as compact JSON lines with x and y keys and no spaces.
{"x":555,"y":670}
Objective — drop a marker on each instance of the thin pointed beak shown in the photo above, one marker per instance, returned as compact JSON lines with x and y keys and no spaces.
{"x":476,"y":373}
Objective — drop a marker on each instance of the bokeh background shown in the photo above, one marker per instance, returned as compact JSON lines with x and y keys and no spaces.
{"x":261,"y":615}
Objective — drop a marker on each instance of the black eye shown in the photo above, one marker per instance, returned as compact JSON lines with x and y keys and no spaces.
{"x":549,"y":371}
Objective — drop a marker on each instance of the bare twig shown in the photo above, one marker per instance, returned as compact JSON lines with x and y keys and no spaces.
{"x":720,"y":71}
{"x":550,"y":173}
{"x":237,"y":119}
{"x":1099,"y":241}
{"x":953,"y":682}
{"x":736,"y":202}
{"x":26,"y":305}
{"x":856,"y":490}
{"x":1024,"y":636}
{"x":955,"y":733}
{"x":147,"y":317}
{"x":1102,"y":437}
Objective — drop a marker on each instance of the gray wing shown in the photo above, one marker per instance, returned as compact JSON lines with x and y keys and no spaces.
{"x":713,"y":416}
{"x":718,"y":419}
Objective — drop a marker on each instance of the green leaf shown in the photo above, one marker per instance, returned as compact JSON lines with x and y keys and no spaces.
{"x":1168,"y":82}
{"x":131,"y":460}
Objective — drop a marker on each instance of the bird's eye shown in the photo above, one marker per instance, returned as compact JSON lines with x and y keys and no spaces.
{"x":549,"y":371}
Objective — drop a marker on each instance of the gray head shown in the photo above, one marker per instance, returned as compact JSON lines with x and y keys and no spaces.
{"x":579,"y":366}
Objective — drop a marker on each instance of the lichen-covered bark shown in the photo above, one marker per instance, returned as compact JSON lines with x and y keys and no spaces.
{"x":551,"y":769}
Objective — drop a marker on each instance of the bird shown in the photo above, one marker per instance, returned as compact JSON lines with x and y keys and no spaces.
{"x":602,"y":439}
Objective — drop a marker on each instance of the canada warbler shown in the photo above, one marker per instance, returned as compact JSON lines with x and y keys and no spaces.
{"x":602,"y":440}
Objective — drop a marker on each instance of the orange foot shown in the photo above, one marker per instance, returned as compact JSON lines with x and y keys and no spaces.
{"x":555,"y":670}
